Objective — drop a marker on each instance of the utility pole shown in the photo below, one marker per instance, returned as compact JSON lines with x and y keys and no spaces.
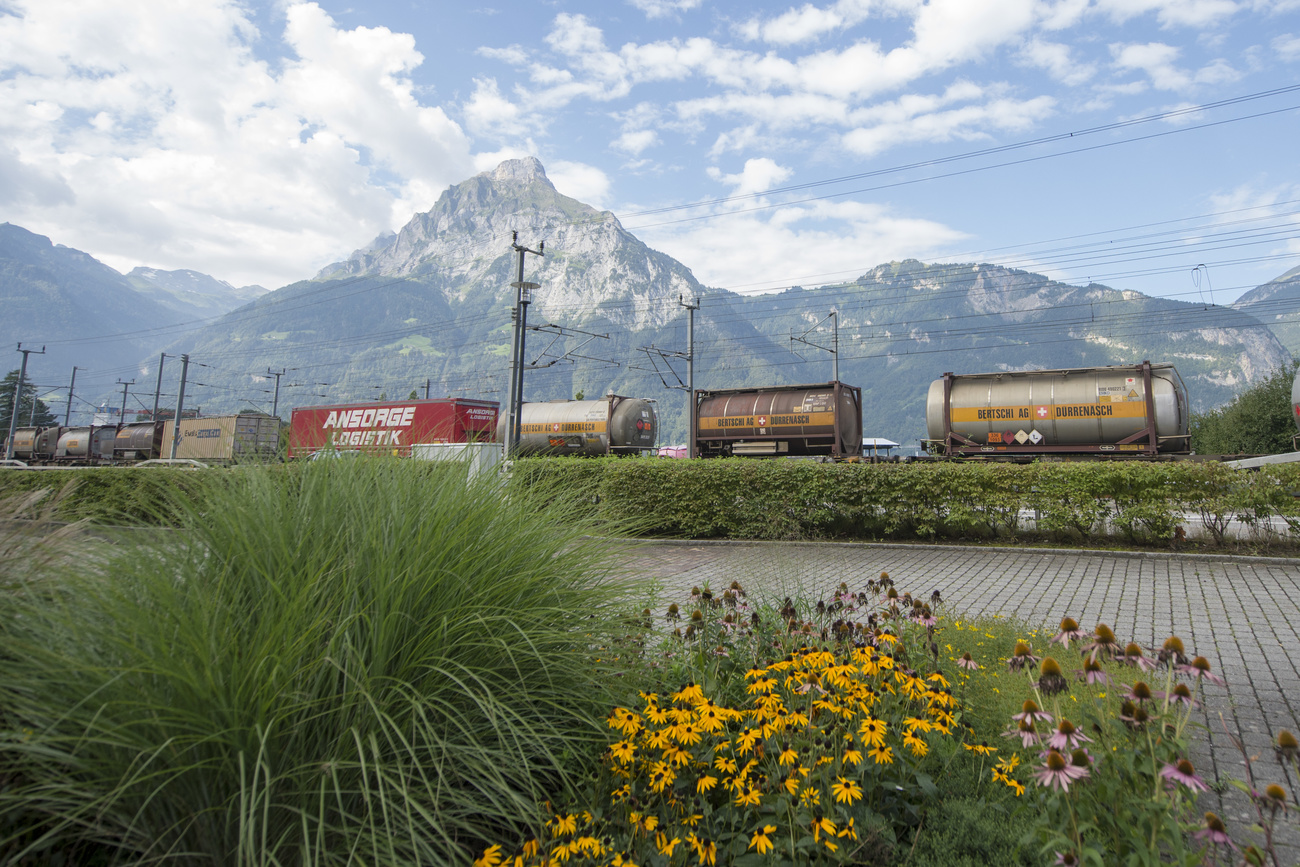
{"x":834,"y":348}
{"x":275,"y":404}
{"x":427,"y":382}
{"x":67,"y":413}
{"x":125,"y":386}
{"x":18,"y":390}
{"x":180,"y":405}
{"x":523,"y":297}
{"x":157,"y":390}
{"x":691,"y":307}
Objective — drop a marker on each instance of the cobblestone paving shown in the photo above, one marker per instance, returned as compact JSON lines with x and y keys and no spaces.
{"x":1240,"y":613}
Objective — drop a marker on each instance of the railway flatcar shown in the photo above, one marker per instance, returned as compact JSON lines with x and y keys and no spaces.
{"x":390,"y":428}
{"x":822,"y":420}
{"x":612,"y":425}
{"x":1129,"y":410}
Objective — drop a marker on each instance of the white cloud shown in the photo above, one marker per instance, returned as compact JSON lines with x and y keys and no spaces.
{"x":818,"y":242}
{"x":664,"y":8}
{"x":1057,"y":60}
{"x":928,"y":118}
{"x":758,"y":176}
{"x":1287,"y":47}
{"x":183,"y":149}
{"x":1156,"y":59}
{"x":1171,"y":13}
{"x":806,"y":23}
{"x":634,"y":142}
{"x":488,"y":112}
{"x":580,"y":181}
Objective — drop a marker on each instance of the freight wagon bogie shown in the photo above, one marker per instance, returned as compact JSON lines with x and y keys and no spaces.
{"x":612,"y":425}
{"x":785,"y":421}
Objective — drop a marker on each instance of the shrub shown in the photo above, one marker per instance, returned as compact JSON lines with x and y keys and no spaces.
{"x":365,"y":661}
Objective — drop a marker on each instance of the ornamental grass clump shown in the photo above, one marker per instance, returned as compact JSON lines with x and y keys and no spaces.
{"x":367,"y":661}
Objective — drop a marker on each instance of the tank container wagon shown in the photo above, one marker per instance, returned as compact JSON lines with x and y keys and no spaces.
{"x":213,"y":439}
{"x":611,"y":425}
{"x":1138,"y":410}
{"x":821,"y":420}
{"x":390,"y":428}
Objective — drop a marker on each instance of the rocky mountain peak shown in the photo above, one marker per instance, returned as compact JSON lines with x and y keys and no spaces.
{"x":521,"y":171}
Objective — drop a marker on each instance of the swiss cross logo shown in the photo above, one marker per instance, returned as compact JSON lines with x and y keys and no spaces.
{"x":762,"y":421}
{"x":1041,"y":412}
{"x":556,"y":427}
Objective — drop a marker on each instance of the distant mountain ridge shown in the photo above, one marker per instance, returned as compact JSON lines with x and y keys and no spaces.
{"x":191,"y":294}
{"x":431,"y":301}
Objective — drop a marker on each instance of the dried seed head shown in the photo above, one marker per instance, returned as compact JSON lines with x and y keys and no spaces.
{"x":1132,"y":649}
{"x":1287,"y":748}
{"x":697,"y":616}
{"x":1201,"y":664}
{"x":1022,"y":649}
{"x":1029,"y":706}
{"x":1275,"y":792}
{"x":1069,"y":624}
{"x":1173,"y":644}
{"x":1079,"y":758}
{"x":1104,"y":634}
{"x":1141,"y":691}
{"x":891,"y":593}
{"x":1182,"y":691}
{"x":1050,"y":668}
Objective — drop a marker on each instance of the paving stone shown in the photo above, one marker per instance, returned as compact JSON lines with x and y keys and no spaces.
{"x":1240,"y":613}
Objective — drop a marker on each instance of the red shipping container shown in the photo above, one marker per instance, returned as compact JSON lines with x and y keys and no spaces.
{"x":390,"y":428}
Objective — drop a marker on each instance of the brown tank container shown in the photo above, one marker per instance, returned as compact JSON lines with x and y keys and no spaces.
{"x":797,"y":420}
{"x":612,"y":425}
{"x":138,"y":442}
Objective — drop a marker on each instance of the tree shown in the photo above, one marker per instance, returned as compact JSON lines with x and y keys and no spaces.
{"x":1259,"y":421}
{"x":413,"y":395}
{"x":26,"y":397}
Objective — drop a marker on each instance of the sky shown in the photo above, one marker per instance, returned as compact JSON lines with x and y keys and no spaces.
{"x":1146,"y":144}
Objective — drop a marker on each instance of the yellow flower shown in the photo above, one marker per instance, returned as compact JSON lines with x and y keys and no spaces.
{"x":745,"y":741}
{"x":981,"y":749}
{"x":820,"y":825}
{"x":846,"y":791}
{"x":791,"y":783}
{"x":939,"y":679}
{"x":882,"y":754}
{"x":811,"y":797}
{"x":566,"y":824}
{"x":853,"y":756}
{"x":763,"y":686}
{"x":749,"y":798}
{"x":531,"y":848}
{"x":848,"y":831}
{"x":760,"y":840}
{"x":725,"y":764}
{"x":788,"y":757}
{"x":623,"y":751}
{"x":918,"y":746}
{"x":912,"y":724}
{"x":491,"y":856}
{"x":873,"y":731}
{"x":664,"y":845}
{"x":705,"y":783}
{"x":1009,"y":764}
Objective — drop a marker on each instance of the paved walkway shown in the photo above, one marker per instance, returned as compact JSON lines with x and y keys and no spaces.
{"x":1242,"y":614}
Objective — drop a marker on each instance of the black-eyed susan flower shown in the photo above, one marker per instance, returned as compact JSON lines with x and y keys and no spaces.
{"x":852,"y":756}
{"x":705,"y":783}
{"x":665,"y":844}
{"x":981,"y":749}
{"x":624,"y":751}
{"x":788,"y":756}
{"x":491,"y":856}
{"x":873,"y":731}
{"x":760,"y":841}
{"x":750,"y":797}
{"x":882,"y":754}
{"x":846,"y":791}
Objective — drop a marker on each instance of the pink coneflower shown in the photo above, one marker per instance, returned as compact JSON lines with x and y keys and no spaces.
{"x":1133,"y":716}
{"x":1070,"y":631}
{"x":1182,"y":771}
{"x":1056,"y":772}
{"x":1092,"y":672}
{"x":1067,"y":859}
{"x":924,"y":616}
{"x":1172,"y":651}
{"x":1104,"y":645}
{"x":1200,"y":668}
{"x":1139,"y":691}
{"x":967,"y":662}
{"x":1180,"y":695}
{"x":1134,"y":656}
{"x":1081,"y":759}
{"x":1025,"y":731}
{"x":1022,"y":656}
{"x":1067,"y":737}
{"x":1214,"y":833}
{"x":1029,"y":712}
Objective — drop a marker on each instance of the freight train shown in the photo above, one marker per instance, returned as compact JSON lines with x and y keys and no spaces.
{"x":216,"y":439}
{"x":823,"y":420}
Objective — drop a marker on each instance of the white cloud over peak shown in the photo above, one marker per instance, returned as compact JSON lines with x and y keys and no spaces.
{"x":160,"y":139}
{"x":580,"y":181}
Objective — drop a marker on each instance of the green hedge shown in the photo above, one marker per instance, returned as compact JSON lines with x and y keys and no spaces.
{"x":754,"y":499}
{"x":110,"y":495}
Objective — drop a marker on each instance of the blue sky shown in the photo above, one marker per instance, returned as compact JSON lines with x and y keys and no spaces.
{"x":1087,"y":139}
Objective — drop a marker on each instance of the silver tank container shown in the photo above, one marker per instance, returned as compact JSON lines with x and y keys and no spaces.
{"x":611,"y":425}
{"x":86,"y":443}
{"x":25,"y":442}
{"x":1093,"y":406}
{"x":138,"y":442}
